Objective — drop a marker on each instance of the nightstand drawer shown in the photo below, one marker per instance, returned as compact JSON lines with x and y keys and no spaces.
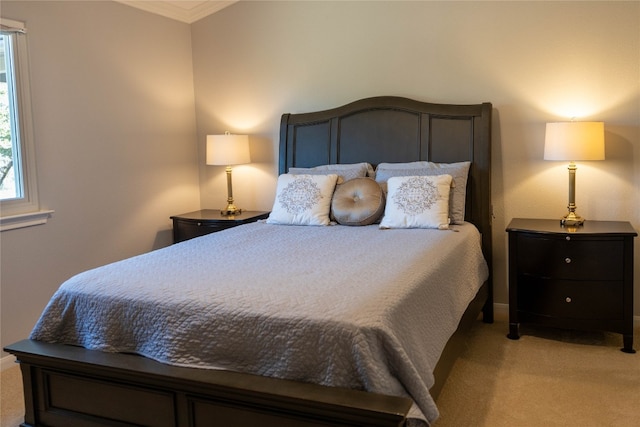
{"x":189,"y":229}
{"x":571,"y":258}
{"x":571,"y":300}
{"x":206,"y":221}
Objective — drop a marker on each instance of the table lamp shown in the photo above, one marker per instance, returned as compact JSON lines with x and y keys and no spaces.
{"x":228,"y":150}
{"x":574,"y":141}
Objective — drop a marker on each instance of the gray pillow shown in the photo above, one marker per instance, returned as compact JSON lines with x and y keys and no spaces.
{"x":345,"y":172}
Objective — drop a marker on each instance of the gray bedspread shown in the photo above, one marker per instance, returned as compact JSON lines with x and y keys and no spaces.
{"x":355,"y":307}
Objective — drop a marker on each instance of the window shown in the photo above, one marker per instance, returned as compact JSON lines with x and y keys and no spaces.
{"x":10,"y":185}
{"x":19,"y":205}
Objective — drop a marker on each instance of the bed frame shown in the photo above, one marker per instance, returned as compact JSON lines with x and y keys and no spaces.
{"x":71,"y":386}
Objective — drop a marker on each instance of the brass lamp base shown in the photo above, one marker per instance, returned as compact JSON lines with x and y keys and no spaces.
{"x":571,"y":219}
{"x":231,"y":210}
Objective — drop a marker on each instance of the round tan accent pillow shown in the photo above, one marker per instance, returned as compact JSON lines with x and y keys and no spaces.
{"x":359,"y":201}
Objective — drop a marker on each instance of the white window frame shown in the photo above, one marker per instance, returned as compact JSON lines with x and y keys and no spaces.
{"x":23,"y":211}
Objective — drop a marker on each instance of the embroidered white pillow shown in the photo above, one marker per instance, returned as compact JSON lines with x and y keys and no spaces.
{"x":417,"y":202}
{"x":458,"y":171}
{"x":303,"y":199}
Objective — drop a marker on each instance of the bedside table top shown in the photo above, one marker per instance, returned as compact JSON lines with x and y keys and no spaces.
{"x":215,"y":215}
{"x":553,"y":226}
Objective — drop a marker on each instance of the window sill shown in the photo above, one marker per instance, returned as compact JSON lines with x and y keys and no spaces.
{"x":12,"y":222}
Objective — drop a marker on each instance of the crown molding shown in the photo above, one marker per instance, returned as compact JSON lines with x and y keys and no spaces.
{"x":184,"y":11}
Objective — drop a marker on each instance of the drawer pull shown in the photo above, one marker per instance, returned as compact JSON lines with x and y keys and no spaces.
{"x":568,"y":237}
{"x":567,"y":260}
{"x":199,"y":224}
{"x":568,"y":299}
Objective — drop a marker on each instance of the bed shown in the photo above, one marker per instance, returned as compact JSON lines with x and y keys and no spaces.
{"x":371,"y":374}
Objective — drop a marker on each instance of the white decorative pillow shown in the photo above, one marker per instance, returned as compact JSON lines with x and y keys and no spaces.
{"x":417,"y":202}
{"x":459,"y":172}
{"x":345,"y":172}
{"x":303,"y":199}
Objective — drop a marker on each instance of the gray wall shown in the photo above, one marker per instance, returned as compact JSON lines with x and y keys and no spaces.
{"x":114,"y":124}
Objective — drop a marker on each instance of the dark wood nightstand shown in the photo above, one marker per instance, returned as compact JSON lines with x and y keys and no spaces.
{"x":198,"y":223}
{"x":572,"y":277}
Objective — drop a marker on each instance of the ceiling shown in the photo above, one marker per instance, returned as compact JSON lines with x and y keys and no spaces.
{"x":181,"y":10}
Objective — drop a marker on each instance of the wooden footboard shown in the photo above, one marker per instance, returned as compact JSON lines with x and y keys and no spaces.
{"x":70,"y":386}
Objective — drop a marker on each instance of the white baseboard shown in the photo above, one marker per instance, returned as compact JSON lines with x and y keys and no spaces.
{"x":502,"y":311}
{"x":7,"y":362}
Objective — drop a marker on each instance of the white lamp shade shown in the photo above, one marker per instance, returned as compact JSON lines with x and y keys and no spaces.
{"x":574,"y":141}
{"x":227,"y":149}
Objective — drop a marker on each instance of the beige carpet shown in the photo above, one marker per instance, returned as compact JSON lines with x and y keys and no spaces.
{"x":11,"y":403}
{"x":547,"y":378}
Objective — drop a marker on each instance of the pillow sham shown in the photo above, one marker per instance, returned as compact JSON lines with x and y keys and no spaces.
{"x":345,"y":172}
{"x":359,"y":201}
{"x":417,"y":202}
{"x":459,"y":172}
{"x":303,"y":199}
{"x":385,"y":167}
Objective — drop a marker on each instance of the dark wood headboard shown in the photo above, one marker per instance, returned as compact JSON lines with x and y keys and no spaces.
{"x":394,"y":129}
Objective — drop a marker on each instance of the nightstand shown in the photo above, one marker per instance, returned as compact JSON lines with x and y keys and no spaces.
{"x":198,"y":223}
{"x":572,"y":277}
